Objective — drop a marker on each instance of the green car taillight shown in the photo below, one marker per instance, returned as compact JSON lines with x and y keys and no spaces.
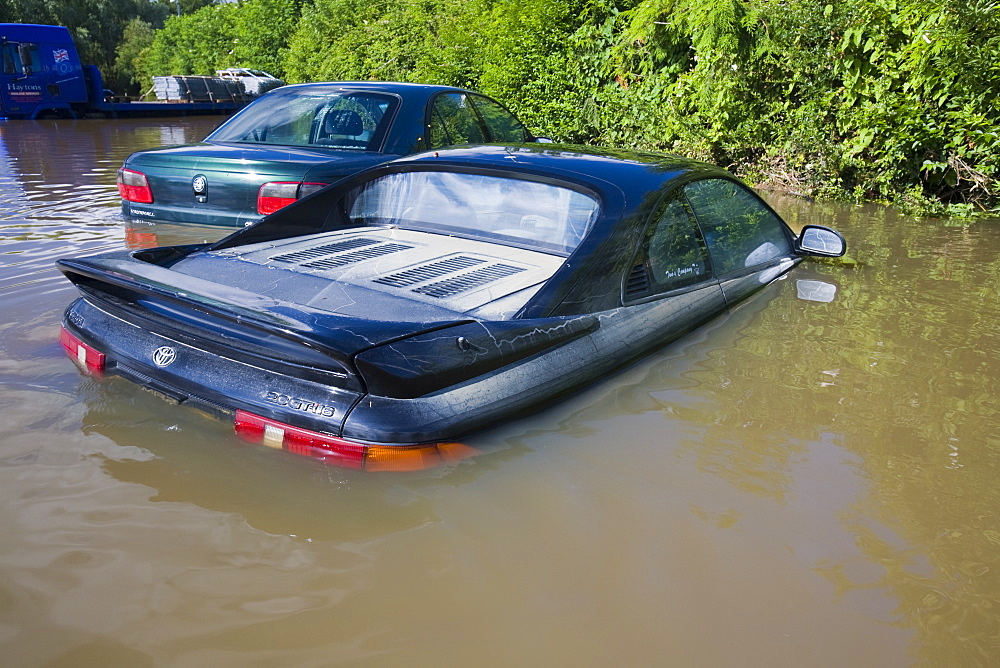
{"x":275,"y":195}
{"x":134,"y":187}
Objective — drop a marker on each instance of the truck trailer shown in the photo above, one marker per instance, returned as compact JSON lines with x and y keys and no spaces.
{"x":42,"y":76}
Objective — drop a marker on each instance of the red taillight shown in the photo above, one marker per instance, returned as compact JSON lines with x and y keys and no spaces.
{"x":272,"y":433}
{"x":134,"y":187}
{"x":341,"y":452}
{"x":88,"y":357}
{"x":279,"y":194}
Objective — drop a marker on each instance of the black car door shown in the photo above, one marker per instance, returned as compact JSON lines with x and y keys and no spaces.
{"x":748,"y":243}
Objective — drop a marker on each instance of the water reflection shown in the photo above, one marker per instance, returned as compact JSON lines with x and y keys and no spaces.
{"x":801,"y":482}
{"x":198,"y":459}
{"x":142,"y":234}
{"x":51,"y":154}
{"x":58,"y":194}
{"x":902,"y":371}
{"x":816,"y":291}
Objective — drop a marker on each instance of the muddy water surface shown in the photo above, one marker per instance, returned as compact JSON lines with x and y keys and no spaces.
{"x":801,"y":482}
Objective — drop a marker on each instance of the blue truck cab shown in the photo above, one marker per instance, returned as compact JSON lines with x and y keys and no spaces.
{"x":42,"y":73}
{"x":42,"y":76}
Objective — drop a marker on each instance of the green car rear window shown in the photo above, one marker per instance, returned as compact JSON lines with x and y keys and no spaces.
{"x":318,"y":118}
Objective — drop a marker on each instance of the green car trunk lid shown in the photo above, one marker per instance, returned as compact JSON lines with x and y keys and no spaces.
{"x":232,"y":175}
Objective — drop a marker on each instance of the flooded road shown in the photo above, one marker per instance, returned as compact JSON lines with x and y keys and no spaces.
{"x":800,"y":482}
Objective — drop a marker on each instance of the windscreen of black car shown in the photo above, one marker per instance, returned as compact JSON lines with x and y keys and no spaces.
{"x":322,"y":118}
{"x":741,"y":231}
{"x":538,"y":215}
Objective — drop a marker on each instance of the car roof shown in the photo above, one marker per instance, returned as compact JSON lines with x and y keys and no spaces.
{"x":381,"y":86}
{"x":633,"y":173}
{"x":629,"y":183}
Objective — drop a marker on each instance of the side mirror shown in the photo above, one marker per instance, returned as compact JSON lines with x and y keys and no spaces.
{"x":543,"y":140}
{"x":24,"y":53}
{"x":820,"y":241}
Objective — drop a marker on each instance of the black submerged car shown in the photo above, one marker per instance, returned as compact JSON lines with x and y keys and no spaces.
{"x":375,"y":321}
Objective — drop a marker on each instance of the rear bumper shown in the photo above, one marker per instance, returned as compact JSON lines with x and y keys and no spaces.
{"x":173,"y":214}
{"x":185,"y":374}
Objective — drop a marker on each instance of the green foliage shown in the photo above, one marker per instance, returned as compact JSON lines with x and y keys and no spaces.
{"x":862,"y":99}
{"x":130,"y":54}
{"x":381,"y":40}
{"x":522,"y":60}
{"x":252,"y":33}
{"x":457,"y":42}
{"x":261,"y":29}
{"x":180,"y":7}
{"x":196,"y":43}
{"x":865,"y":98}
{"x":919,"y":98}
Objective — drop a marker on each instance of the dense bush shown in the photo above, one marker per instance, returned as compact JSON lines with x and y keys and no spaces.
{"x":876,"y":99}
{"x":868,"y":99}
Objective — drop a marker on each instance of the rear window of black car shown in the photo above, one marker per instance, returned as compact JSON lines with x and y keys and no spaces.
{"x":542,"y":216}
{"x":319,"y":118}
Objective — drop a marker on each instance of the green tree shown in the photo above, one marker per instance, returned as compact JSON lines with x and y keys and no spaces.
{"x":524,"y":59}
{"x":373,"y":40}
{"x":262,"y":29}
{"x":196,"y":43}
{"x":136,"y":42}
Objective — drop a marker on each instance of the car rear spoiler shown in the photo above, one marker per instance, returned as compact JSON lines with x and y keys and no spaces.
{"x":340,"y":337}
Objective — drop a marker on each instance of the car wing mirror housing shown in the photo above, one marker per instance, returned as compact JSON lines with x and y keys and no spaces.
{"x":820,"y":241}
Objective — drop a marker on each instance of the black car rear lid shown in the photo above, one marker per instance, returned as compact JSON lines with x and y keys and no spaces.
{"x":221,"y":311}
{"x":186,"y":370}
{"x":379,"y":273}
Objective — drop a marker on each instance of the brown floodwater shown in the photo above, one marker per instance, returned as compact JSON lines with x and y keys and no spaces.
{"x":801,"y":482}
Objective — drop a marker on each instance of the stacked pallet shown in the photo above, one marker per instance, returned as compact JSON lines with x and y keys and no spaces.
{"x":197,"y":89}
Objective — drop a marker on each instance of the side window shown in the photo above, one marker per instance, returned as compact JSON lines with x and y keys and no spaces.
{"x":8,"y":58}
{"x":740,"y":230}
{"x":502,"y":125}
{"x":453,"y":121}
{"x":676,"y":251}
{"x":20,"y":58}
{"x":29,"y":58}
